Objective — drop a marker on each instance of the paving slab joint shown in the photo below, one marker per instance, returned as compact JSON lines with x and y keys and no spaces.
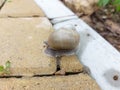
{"x":2,"y":4}
{"x":11,"y":76}
{"x":34,"y":16}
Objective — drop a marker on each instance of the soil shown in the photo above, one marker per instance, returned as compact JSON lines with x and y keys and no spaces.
{"x":106,"y":21}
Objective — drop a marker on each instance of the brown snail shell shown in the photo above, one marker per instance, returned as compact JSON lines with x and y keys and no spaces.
{"x":63,"y":39}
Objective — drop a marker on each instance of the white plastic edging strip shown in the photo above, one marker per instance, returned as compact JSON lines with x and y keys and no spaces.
{"x":54,"y":8}
{"x":98,"y":55}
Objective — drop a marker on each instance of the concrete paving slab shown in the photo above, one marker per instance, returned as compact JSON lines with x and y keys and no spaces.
{"x":21,"y":42}
{"x":20,"y":8}
{"x":71,"y":64}
{"x":73,"y":82}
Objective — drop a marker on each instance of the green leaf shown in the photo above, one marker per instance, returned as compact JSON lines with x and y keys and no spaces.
{"x":103,"y":2}
{"x":116,"y":2}
{"x":1,"y":68}
{"x":7,"y":65}
{"x":118,"y":8}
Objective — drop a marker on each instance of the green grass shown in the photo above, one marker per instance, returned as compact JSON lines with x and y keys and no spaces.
{"x":5,"y":69}
{"x":115,"y":3}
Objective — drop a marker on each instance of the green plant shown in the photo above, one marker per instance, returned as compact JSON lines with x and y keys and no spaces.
{"x":103,"y":2}
{"x":5,"y":69}
{"x":114,"y":3}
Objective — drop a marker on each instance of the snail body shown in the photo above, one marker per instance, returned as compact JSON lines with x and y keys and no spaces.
{"x":64,"y":39}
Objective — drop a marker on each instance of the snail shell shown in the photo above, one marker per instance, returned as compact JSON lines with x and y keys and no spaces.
{"x":64,"y":39}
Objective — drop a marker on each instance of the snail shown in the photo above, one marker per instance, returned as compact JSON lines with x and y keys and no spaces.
{"x":63,"y":41}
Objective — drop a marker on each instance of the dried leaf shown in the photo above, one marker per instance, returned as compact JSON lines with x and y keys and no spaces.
{"x":112,"y":26}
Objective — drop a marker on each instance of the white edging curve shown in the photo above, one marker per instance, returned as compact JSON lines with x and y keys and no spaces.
{"x":54,"y":8}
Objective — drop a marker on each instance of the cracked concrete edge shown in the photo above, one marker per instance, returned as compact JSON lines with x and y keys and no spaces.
{"x":71,"y":82}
